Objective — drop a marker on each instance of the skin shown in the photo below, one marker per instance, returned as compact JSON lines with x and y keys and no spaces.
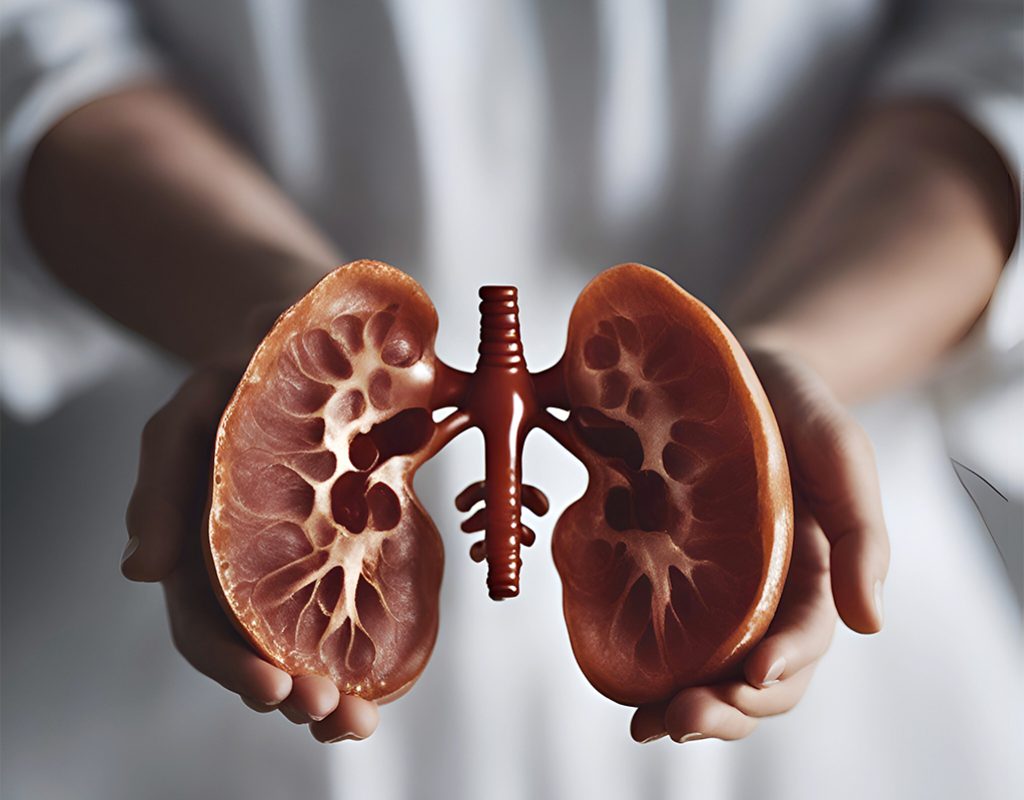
{"x":136,"y":199}
{"x":886,"y":264}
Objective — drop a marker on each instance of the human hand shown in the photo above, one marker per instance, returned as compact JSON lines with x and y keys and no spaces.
{"x":840,"y":559}
{"x":166,"y":517}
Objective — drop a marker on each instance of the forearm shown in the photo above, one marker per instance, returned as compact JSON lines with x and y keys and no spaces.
{"x":139,"y":205}
{"x":891,"y":258}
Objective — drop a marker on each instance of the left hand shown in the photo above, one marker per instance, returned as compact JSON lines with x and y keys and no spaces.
{"x":840,"y":558}
{"x":166,"y":522}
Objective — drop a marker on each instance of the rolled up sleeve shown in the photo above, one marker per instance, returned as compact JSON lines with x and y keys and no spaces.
{"x":55,"y":56}
{"x":969,"y":54}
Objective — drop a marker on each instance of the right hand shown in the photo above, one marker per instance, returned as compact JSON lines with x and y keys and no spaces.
{"x":840,"y":559}
{"x":166,"y":517}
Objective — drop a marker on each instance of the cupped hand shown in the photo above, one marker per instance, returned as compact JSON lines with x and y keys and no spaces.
{"x":166,"y":518}
{"x":840,"y":559}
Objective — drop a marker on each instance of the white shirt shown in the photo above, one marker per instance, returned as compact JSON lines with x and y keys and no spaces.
{"x":535,"y":144}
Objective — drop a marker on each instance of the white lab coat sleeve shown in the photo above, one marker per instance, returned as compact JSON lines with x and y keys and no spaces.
{"x":969,"y":54}
{"x":55,"y":56}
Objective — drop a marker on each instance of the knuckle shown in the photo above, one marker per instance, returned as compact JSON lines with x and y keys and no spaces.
{"x":810,"y":571}
{"x":834,"y":427}
{"x":828,"y":422}
{"x":848,"y":437}
{"x":859,"y":442}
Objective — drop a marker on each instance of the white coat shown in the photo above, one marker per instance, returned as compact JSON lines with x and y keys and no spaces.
{"x":536,"y":144}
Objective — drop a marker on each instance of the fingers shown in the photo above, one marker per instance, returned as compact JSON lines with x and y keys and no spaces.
{"x":332,"y":716}
{"x":257,"y":706}
{"x":648,"y":723}
{"x":166,"y":504}
{"x":206,"y":639}
{"x":156,"y":528}
{"x":313,"y":697}
{"x":776,"y":699}
{"x":837,"y":476}
{"x":354,"y":718}
{"x":805,"y":621}
{"x":833,"y":468}
{"x":165,"y":510}
{"x":725,"y":711}
{"x":701,"y":713}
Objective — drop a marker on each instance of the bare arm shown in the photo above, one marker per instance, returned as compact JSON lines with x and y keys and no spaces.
{"x":142,"y":207}
{"x":886,"y":265}
{"x":893,"y":255}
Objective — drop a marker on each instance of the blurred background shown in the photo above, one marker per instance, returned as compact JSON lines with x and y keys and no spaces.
{"x":96,"y":703}
{"x":531,"y":143}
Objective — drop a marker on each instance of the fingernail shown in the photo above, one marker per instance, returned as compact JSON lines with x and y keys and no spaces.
{"x":348,"y":737}
{"x":257,"y":705}
{"x":878,"y":602}
{"x":653,"y":738}
{"x":690,"y":737}
{"x":129,"y":549}
{"x":771,"y":677}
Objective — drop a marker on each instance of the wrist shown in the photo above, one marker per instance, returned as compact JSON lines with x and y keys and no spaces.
{"x":769,"y":338}
{"x":256,"y":308}
{"x":775,"y":348}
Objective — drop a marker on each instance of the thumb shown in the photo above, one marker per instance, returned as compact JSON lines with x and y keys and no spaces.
{"x":156,"y":531}
{"x":166,"y":507}
{"x":858,"y":576}
{"x":842,"y":492}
